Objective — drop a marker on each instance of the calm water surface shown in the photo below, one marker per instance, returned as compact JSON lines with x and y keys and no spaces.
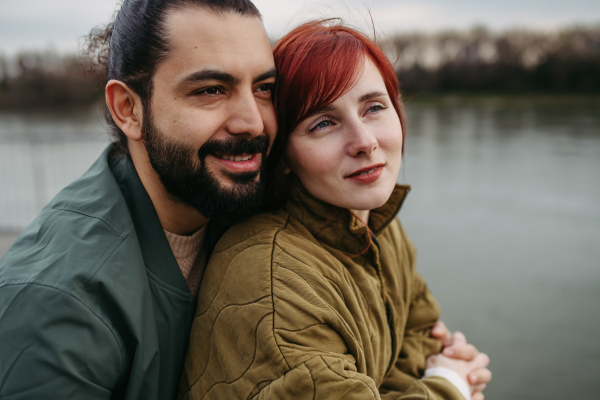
{"x":505,"y":215}
{"x":504,"y":212}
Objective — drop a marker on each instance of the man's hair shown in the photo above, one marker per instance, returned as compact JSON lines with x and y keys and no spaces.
{"x":130,"y":48}
{"x":317,"y":63}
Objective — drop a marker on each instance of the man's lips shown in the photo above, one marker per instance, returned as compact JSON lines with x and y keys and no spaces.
{"x":238,"y":163}
{"x":367,"y":174}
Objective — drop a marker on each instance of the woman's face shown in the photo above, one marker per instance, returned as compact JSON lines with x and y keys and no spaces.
{"x":348,"y":154}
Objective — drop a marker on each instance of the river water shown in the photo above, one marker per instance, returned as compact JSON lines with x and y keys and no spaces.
{"x":504,"y":213}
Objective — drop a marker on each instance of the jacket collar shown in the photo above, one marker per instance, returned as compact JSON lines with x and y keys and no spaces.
{"x":157,"y":254}
{"x":337,"y":227}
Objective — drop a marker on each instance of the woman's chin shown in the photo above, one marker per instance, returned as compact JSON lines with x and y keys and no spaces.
{"x":368,"y":202}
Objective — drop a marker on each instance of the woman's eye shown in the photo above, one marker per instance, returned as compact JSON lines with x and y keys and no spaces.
{"x":320,"y":125}
{"x":376,"y":108}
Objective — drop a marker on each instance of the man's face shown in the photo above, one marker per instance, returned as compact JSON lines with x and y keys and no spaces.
{"x":211,"y":119}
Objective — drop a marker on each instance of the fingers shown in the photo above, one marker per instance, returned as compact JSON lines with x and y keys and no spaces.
{"x":477,"y":396}
{"x":478,"y":388}
{"x":479,"y":376}
{"x":480,"y":361}
{"x":466,"y":352}
{"x":441,"y":332}
{"x":459,"y":338}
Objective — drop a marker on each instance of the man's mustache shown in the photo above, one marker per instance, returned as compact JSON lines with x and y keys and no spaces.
{"x":235,"y":147}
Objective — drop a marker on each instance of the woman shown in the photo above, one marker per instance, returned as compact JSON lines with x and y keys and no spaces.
{"x":320,"y":298}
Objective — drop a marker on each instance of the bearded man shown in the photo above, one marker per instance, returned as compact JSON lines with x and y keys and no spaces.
{"x":97,"y":294}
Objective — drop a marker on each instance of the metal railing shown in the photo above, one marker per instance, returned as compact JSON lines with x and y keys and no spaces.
{"x":33,"y":172}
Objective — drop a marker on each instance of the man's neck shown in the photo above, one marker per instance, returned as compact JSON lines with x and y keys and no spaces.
{"x":174,"y":217}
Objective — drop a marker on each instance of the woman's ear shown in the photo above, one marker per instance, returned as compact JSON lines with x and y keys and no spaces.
{"x":125,"y":106}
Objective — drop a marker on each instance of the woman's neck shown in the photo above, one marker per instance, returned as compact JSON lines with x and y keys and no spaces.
{"x":363,"y":215}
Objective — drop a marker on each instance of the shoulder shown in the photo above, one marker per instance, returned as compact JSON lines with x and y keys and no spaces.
{"x":394,"y":237}
{"x":75,"y":233}
{"x":263,"y":241}
{"x":77,"y":248}
{"x":62,"y":247}
{"x":269,"y":262}
{"x":262,"y":246}
{"x":245,"y":255}
{"x":48,"y":335}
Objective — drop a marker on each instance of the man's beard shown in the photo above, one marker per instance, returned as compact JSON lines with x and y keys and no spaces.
{"x":187,"y":180}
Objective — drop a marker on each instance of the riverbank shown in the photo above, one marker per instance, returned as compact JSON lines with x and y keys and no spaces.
{"x":468,"y":62}
{"x":503,"y":99}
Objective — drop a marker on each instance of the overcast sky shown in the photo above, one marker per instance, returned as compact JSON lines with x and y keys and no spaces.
{"x":57,"y":24}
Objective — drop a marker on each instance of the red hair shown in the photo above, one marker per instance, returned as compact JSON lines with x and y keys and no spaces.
{"x":318,"y":63}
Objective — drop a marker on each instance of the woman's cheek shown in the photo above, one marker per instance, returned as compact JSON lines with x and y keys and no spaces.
{"x":309,"y":154}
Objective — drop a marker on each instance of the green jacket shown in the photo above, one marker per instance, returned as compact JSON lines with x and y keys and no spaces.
{"x":92,"y":302}
{"x":302,"y":303}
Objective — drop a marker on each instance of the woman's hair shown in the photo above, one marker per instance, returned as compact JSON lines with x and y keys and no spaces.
{"x":318,"y":63}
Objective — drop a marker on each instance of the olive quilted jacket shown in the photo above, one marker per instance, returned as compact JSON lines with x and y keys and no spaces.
{"x":306,"y":302}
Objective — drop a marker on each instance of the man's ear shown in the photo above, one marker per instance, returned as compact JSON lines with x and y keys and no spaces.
{"x":125,"y":106}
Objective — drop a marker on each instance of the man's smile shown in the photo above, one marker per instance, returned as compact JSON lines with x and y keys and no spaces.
{"x":241,"y":163}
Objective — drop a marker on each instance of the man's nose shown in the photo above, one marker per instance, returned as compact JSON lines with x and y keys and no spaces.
{"x":362,"y":139}
{"x":244,"y":116}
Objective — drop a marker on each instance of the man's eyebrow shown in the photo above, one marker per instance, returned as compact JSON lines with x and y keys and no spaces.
{"x":272,"y":73}
{"x":210,"y":75}
{"x":369,"y":96}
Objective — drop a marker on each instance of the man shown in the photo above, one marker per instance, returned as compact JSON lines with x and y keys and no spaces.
{"x":96,"y":296}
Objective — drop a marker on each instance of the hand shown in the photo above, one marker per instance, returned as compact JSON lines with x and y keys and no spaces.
{"x":462,"y":368}
{"x":456,"y":347}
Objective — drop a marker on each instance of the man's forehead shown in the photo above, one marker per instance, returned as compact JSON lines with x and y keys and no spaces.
{"x":199,"y":28}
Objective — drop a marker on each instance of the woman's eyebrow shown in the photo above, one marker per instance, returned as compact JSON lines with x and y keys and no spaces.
{"x":320,"y":110}
{"x":369,"y":96}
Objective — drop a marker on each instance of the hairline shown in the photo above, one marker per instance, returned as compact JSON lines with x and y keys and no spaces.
{"x":169,"y":10}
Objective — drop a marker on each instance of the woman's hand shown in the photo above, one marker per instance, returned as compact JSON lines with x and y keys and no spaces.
{"x":455,"y":347}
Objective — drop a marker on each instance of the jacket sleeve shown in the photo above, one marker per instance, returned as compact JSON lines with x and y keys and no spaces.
{"x":277,"y":337}
{"x":54,"y":347}
{"x":418,"y":344}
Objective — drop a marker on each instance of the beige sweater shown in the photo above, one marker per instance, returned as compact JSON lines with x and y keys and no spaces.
{"x":190,"y":256}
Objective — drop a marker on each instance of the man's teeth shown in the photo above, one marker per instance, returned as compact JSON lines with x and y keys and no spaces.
{"x":236,"y":158}
{"x":367,"y":172}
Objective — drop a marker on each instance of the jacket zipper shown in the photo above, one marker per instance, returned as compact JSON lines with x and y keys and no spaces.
{"x":390,"y":316}
{"x":390,"y":319}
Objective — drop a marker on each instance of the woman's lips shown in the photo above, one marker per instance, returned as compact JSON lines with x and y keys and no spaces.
{"x":368,"y":174}
{"x":243,"y":163}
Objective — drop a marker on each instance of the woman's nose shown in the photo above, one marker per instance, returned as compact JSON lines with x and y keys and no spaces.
{"x":362,"y":140}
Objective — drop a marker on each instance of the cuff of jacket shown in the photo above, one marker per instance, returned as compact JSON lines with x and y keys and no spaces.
{"x":451,"y":376}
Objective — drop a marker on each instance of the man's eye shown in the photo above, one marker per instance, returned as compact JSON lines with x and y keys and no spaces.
{"x":211,"y":91}
{"x":265,"y":87}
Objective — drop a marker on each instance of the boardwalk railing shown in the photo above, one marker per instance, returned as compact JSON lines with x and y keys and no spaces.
{"x":33,"y":172}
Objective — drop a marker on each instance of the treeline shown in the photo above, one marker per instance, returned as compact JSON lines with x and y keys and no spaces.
{"x":511,"y":62}
{"x":46,"y":81}
{"x":461,"y":62}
